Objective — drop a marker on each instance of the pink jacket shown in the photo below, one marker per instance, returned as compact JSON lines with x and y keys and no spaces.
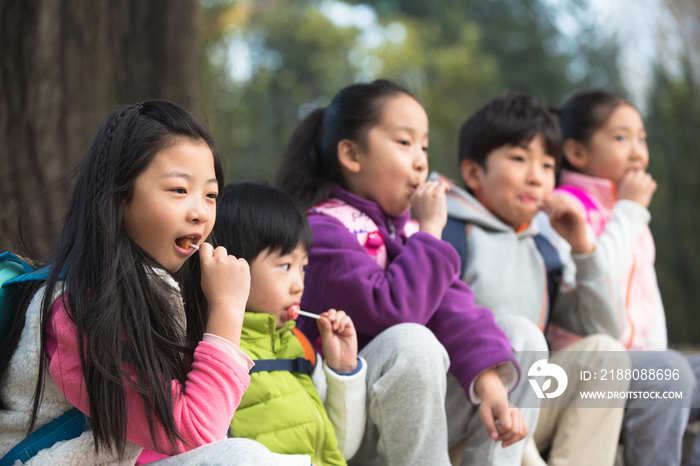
{"x":203,"y":407}
{"x":623,"y":234}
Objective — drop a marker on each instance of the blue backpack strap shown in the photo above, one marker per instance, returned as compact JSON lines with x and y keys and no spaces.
{"x":34,"y":275}
{"x":290,"y":365}
{"x":455,"y":234}
{"x":8,"y":256}
{"x":68,"y":426}
{"x":553,"y":264}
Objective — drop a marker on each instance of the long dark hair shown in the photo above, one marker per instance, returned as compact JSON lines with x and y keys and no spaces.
{"x":254,"y":217}
{"x":122,"y":307}
{"x":310,"y":164}
{"x":584,"y":114}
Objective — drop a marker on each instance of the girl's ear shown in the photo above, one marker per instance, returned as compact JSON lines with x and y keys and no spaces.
{"x":575,"y":153}
{"x":348,"y":156}
{"x":471,"y":174}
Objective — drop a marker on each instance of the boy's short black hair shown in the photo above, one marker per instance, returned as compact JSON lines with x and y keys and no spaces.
{"x":252,"y":217}
{"x":512,"y":119}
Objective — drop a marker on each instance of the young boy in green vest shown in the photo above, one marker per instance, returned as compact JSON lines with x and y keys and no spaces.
{"x":306,"y":411}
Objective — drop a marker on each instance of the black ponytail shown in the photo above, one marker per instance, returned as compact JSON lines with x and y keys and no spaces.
{"x":310,"y":164}
{"x":302,"y":170}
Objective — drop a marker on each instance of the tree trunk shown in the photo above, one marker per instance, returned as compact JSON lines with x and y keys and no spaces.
{"x":65,"y":64}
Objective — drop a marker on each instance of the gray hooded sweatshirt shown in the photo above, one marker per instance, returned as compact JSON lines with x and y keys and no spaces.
{"x":507,"y":273}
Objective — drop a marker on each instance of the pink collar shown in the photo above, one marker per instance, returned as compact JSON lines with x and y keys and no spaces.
{"x":602,"y":189}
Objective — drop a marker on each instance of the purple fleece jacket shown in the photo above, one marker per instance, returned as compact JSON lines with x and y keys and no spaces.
{"x":420,"y":284}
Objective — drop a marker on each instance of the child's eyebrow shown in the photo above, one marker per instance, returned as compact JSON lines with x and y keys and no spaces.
{"x":175,"y":174}
{"x":187,"y":176}
{"x":627,"y":128}
{"x":405,"y":128}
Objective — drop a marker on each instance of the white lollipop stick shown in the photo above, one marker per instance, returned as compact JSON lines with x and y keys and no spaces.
{"x":309,"y":314}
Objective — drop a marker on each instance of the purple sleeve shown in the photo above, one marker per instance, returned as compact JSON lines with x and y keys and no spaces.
{"x":470,"y":335}
{"x":419,"y":285}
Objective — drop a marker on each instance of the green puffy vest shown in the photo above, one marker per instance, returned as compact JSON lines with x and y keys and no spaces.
{"x":280,"y":409}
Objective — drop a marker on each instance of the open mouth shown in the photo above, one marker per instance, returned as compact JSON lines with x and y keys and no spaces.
{"x":186,"y":242}
{"x":530,"y":199}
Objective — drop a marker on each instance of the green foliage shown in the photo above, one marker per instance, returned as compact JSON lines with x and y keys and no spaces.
{"x":454,"y":55}
{"x":300,"y":59}
{"x":672,"y":124}
{"x":522,"y":36}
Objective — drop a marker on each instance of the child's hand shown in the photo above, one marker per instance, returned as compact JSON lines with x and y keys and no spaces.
{"x":637,"y":186}
{"x":430,"y":206}
{"x":501,"y":422}
{"x":339,"y":340}
{"x":226,"y":284}
{"x":569,"y":221}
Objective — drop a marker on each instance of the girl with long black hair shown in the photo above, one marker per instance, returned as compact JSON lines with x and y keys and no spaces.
{"x":138,"y":323}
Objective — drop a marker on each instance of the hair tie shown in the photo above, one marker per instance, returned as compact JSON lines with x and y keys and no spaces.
{"x":139,"y":106}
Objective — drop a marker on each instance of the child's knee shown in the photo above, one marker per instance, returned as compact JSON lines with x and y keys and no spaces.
{"x":415,"y":346}
{"x":522,"y":333}
{"x":599,"y":351}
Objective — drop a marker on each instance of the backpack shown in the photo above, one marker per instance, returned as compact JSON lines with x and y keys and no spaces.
{"x":13,"y":271}
{"x":361,"y":225}
{"x":454,"y":233}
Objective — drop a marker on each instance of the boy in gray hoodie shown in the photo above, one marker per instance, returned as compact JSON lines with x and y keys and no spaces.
{"x":552,"y":276}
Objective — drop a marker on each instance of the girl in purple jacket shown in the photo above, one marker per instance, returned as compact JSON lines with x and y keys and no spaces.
{"x":359,"y":166}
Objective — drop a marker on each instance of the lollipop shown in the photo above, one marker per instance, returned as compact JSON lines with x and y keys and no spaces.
{"x":187,"y":242}
{"x":295,"y":311}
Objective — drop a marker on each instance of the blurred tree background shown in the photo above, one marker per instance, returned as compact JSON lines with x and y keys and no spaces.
{"x":269,"y":62}
{"x":266,"y":63}
{"x":64,"y":65}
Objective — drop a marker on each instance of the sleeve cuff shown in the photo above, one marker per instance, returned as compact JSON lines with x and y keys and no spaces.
{"x":352,"y":372}
{"x":357,"y":376}
{"x":507,"y":372}
{"x":589,"y":266}
{"x":233,"y":350}
{"x":633,"y":209}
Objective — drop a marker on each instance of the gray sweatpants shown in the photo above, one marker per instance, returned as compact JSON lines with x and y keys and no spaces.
{"x":406,"y":424}
{"x":411,"y":401}
{"x":230,"y":452}
{"x":653,"y":433}
{"x":694,"y":457}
